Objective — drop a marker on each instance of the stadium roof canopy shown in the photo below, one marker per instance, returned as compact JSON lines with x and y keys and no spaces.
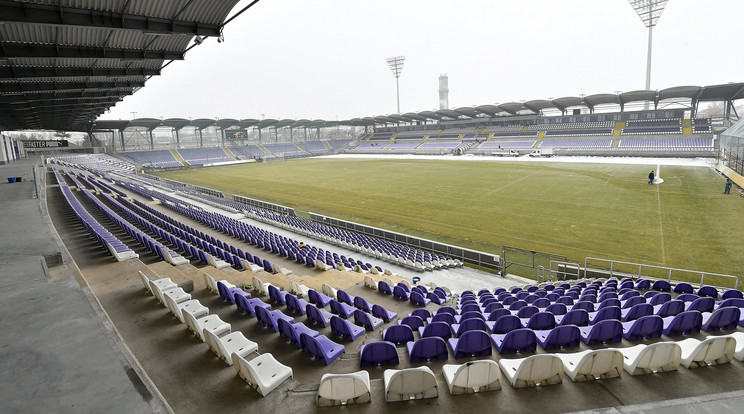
{"x":65,"y":62}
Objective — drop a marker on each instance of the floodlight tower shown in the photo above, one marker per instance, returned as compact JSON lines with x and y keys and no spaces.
{"x":396,"y":65}
{"x":650,"y":12}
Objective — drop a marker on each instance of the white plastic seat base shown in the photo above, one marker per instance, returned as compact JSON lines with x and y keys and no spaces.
{"x":592,"y":364}
{"x":232,"y":343}
{"x":263,"y":373}
{"x":409,"y":384}
{"x":711,"y":351}
{"x":344,"y":389}
{"x":210,"y":322}
{"x":533,"y":371}
{"x":649,"y":359}
{"x":470,"y":377}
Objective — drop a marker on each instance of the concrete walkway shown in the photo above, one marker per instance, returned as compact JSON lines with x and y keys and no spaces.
{"x":56,"y":352}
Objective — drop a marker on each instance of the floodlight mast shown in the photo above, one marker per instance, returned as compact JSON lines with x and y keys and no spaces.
{"x":650,"y":12}
{"x":396,"y":66}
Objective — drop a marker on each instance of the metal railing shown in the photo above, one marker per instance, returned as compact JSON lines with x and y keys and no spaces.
{"x":555,"y":271}
{"x":638,"y":270}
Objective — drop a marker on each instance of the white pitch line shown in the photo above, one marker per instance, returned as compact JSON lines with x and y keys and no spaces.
{"x":661,"y":227}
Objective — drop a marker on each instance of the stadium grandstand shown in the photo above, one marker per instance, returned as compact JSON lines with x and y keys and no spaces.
{"x":125,"y":291}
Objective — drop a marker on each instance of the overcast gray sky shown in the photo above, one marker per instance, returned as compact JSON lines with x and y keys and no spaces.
{"x":326,"y":58}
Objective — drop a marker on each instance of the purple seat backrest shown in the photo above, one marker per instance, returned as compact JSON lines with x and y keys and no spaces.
{"x":470,"y":315}
{"x":287,"y":331}
{"x":565,"y":336}
{"x":606,"y":331}
{"x":578,"y":317}
{"x":473,"y":342}
{"x":660,"y":299}
{"x":639,"y":310}
{"x":382,"y":313}
{"x":314,"y":314}
{"x":588,"y":297}
{"x":224,"y":292}
{"x":521,"y":295}
{"x":435,"y":298}
{"x":497,"y":313}
{"x":338,"y":307}
{"x":683,"y":287}
{"x":362,"y":304}
{"x":643,"y":284}
{"x":607,"y":295}
{"x":339,"y":325}
{"x":553,"y":296}
{"x":541,"y":321}
{"x":315,"y":297}
{"x":635,"y":300}
{"x":736,"y":302}
{"x":483,"y":292}
{"x":447,"y":309}
{"x":344,"y":297}
{"x":426,"y":349}
{"x":506,"y":324}
{"x":519,"y":340}
{"x":418,"y":298}
{"x":242,"y":304}
{"x":404,"y":287}
{"x":472,"y":325}
{"x":723,"y":318}
{"x":732,"y":294}
{"x":627,"y":284}
{"x":704,"y":304}
{"x":383,"y":287}
{"x":708,"y":291}
{"x":274,"y":294}
{"x":398,"y":291}
{"x":398,"y":334}
{"x":413,"y":321}
{"x":541,"y":303}
{"x":608,"y":302}
{"x":492,"y":307}
{"x":443,"y":317}
{"x":440,"y":329}
{"x":610,"y":312}
{"x":566,"y":300}
{"x":557,"y":309}
{"x":527,"y":311}
{"x":264,"y":317}
{"x":498,"y":291}
{"x":671,"y":308}
{"x":508,"y":300}
{"x":469,"y":308}
{"x":519,"y":304}
{"x":587,"y":306}
{"x":646,"y":327}
{"x":531,"y":298}
{"x":379,"y":353}
{"x":662,"y":285}
{"x":686,"y":322}
{"x":421,"y":313}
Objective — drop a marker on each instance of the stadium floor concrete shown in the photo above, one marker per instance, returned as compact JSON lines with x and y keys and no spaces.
{"x":192,"y":379}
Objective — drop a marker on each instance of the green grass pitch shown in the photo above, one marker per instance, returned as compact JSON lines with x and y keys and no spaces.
{"x":576,"y":210}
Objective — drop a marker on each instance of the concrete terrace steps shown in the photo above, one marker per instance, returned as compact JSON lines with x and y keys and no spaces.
{"x":228,"y":152}
{"x":178,"y":157}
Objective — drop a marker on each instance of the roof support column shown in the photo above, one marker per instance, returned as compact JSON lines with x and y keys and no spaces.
{"x":259,"y":135}
{"x":201,"y":139}
{"x":291,"y":136}
{"x":121,"y":138}
{"x":178,"y":138}
{"x":152,"y":142}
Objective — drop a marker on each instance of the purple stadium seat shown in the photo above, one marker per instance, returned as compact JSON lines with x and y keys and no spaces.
{"x":671,"y":308}
{"x":228,"y":295}
{"x":662,"y":286}
{"x":505,"y":324}
{"x":317,"y":315}
{"x":557,"y":309}
{"x":248,"y":306}
{"x":643,"y":284}
{"x":269,"y":318}
{"x":610,"y":312}
{"x":566,"y":300}
{"x":708,"y":291}
{"x":469,"y":315}
{"x":701,"y":305}
{"x":344,"y":297}
{"x":541,"y":321}
{"x":322,"y":348}
{"x":447,"y":309}
{"x":427,"y":349}
{"x":366,"y":320}
{"x":517,"y":305}
{"x":541,"y":303}
{"x":345,"y":329}
{"x":518,"y":340}
{"x":398,"y":334}
{"x":735,"y":302}
{"x":645,"y":327}
{"x":431,"y":296}
{"x":382,"y":313}
{"x":527,"y":311}
{"x":606,"y":295}
{"x":421,"y":313}
{"x":732,"y":294}
{"x":723,"y":318}
{"x":440,"y":329}
{"x":469,"y":325}
{"x":606,"y":331}
{"x":660,"y":299}
{"x":684,"y":323}
{"x":635,"y":312}
{"x":683,"y":287}
{"x":378,"y":353}
{"x":468,"y":307}
{"x":292,"y":332}
{"x":587,"y":306}
{"x":471,"y":344}
{"x":400,"y":292}
{"x":629,"y":294}
{"x":296,"y":304}
{"x":608,"y":302}
{"x":341,"y":309}
{"x":383,"y":287}
{"x":413,"y":321}
{"x":442,"y":317}
{"x":508,"y":300}
{"x":318,"y":298}
{"x":632,"y":301}
{"x":277,"y":296}
{"x":566,"y":336}
{"x":530,"y":299}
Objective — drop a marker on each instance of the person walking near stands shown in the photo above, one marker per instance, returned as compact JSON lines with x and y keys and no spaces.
{"x":651,"y":177}
{"x":729,"y":183}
